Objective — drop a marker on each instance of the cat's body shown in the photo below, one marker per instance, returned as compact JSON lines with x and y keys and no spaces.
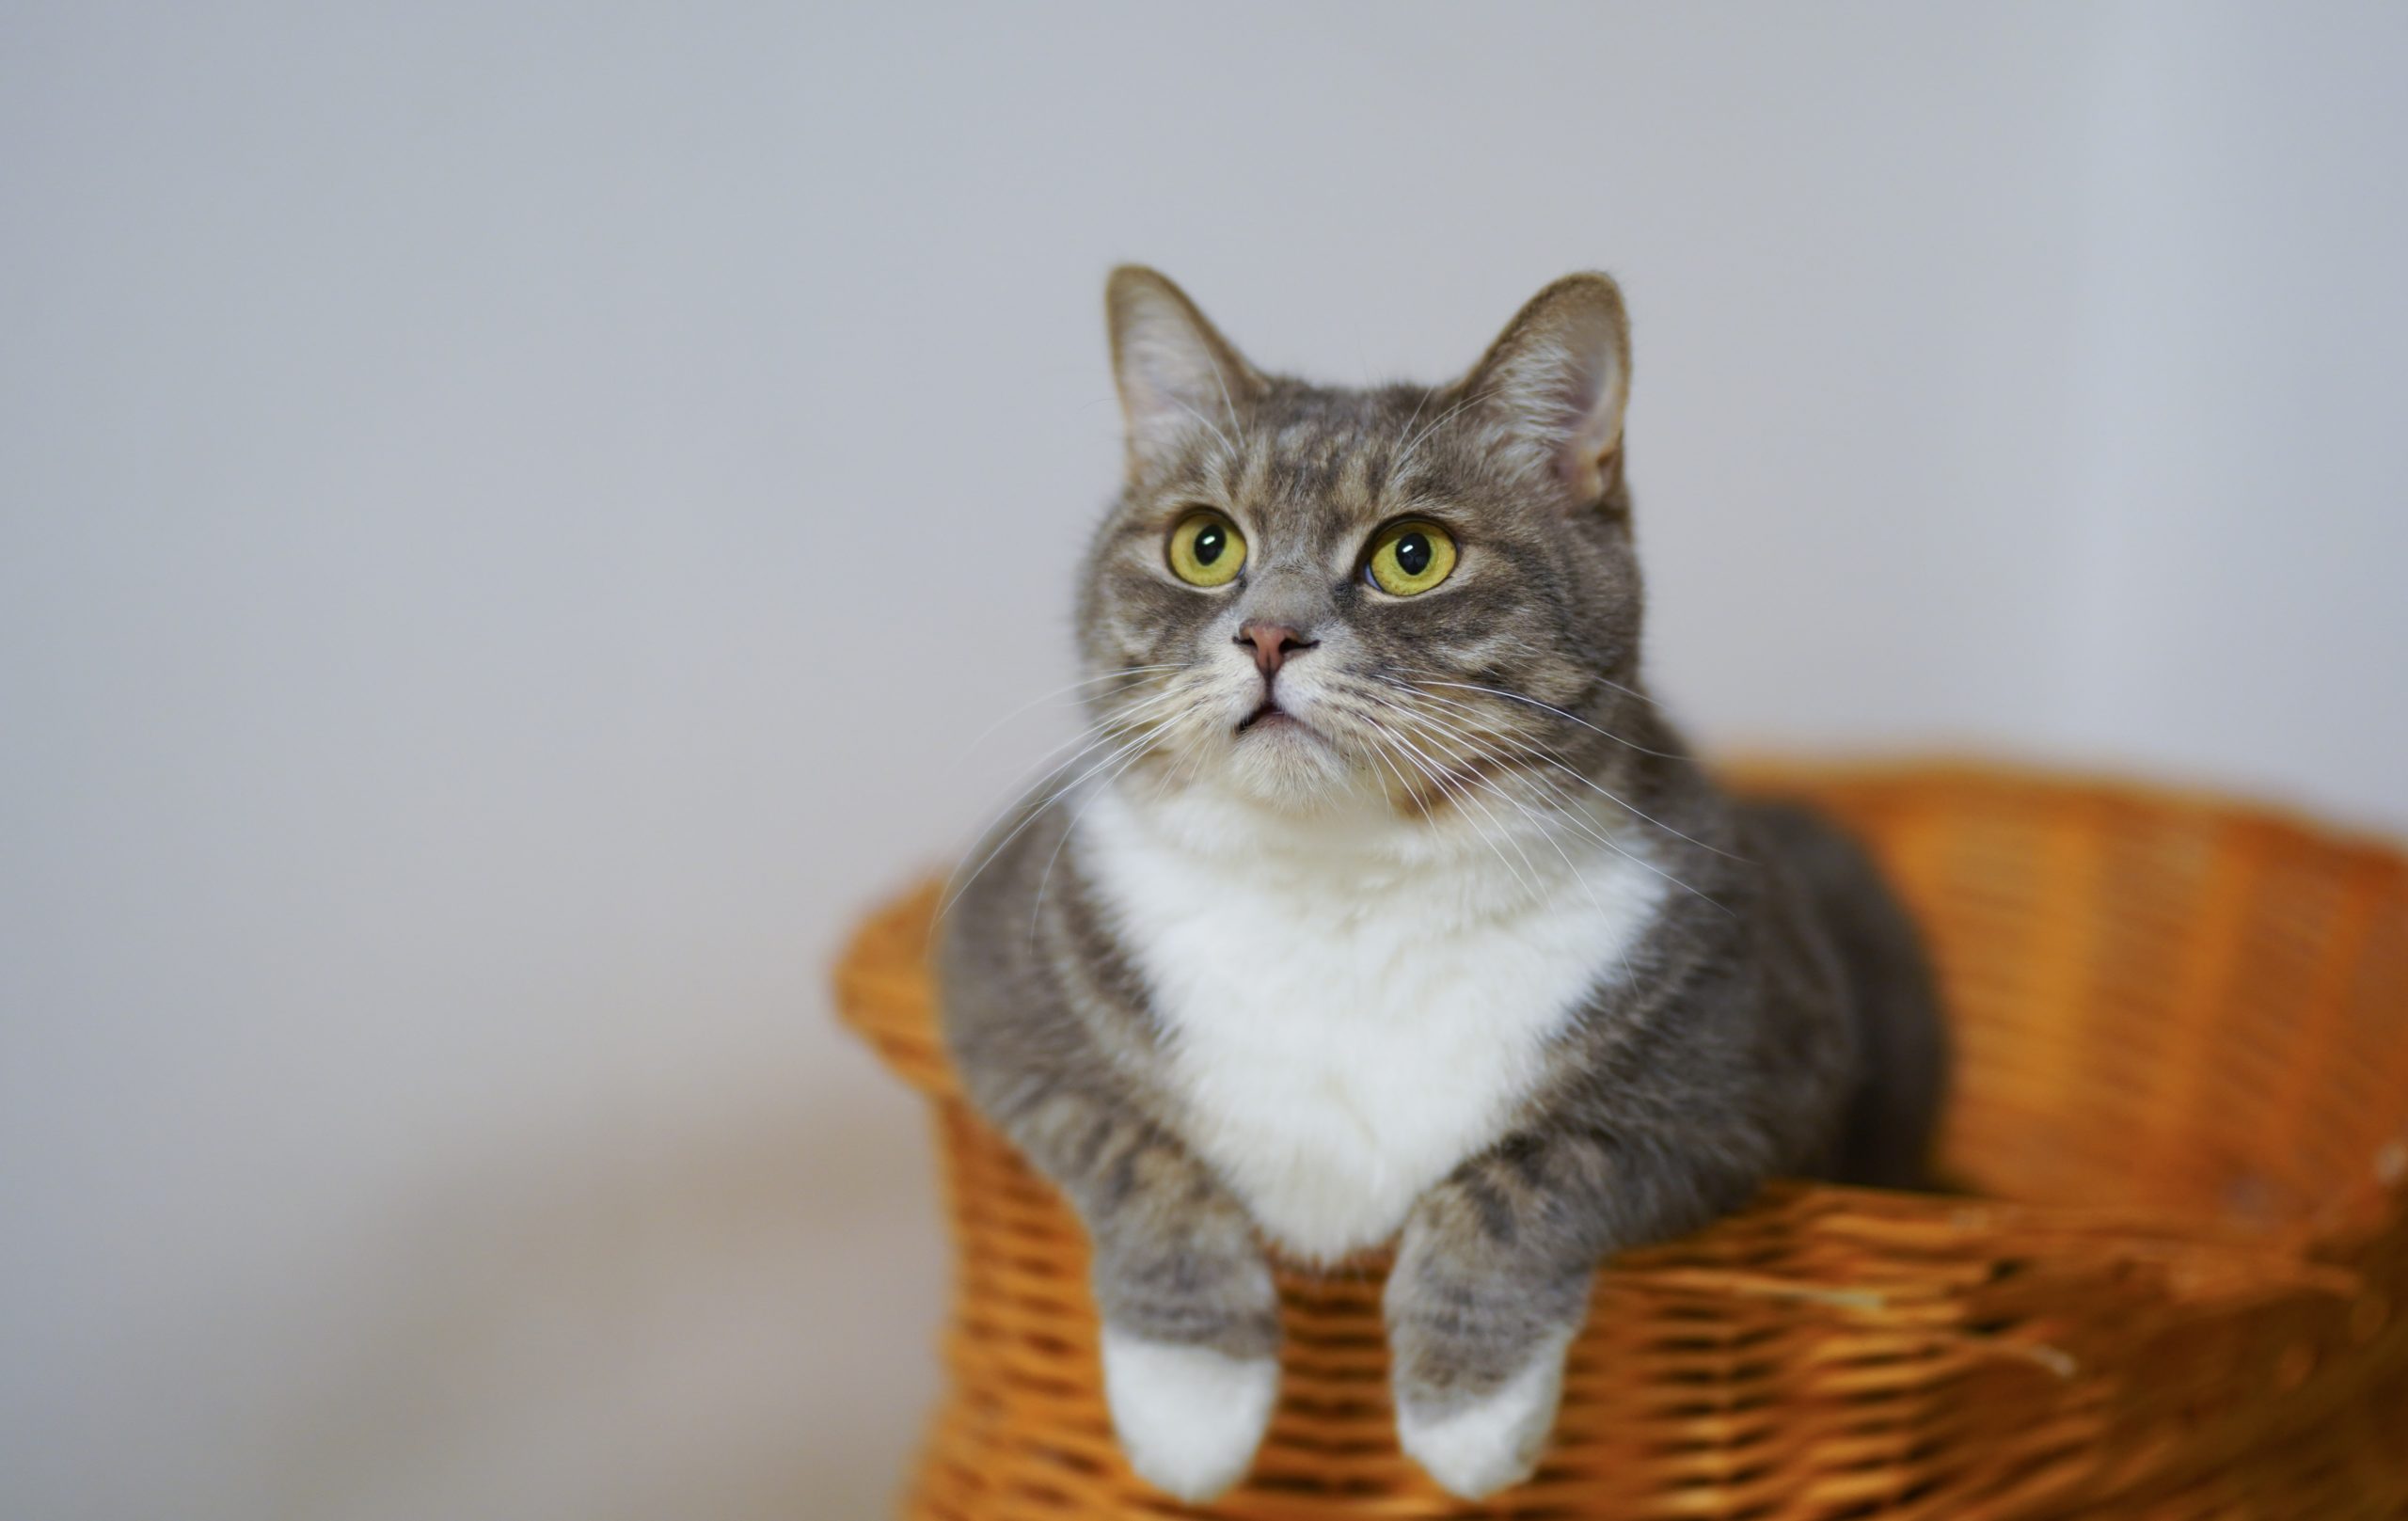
{"x":1451,"y":982}
{"x":1396,"y":911}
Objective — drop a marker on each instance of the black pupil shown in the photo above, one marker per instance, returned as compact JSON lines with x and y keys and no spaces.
{"x":1413,"y":554}
{"x":1210,"y":541}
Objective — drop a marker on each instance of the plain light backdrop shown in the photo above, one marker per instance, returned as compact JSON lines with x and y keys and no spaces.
{"x":510,"y":518}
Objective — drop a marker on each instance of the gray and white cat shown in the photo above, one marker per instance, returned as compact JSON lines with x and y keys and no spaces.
{"x":1387,"y":905}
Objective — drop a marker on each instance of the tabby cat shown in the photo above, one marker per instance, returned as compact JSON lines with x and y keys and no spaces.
{"x":1385,"y":904}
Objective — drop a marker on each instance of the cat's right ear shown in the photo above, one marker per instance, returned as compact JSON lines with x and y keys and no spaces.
{"x":1177,"y":375}
{"x":1555,"y":381}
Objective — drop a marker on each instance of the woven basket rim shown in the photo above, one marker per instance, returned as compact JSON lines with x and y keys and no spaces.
{"x":1750,"y":769}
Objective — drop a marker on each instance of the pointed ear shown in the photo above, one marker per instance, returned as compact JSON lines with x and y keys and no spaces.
{"x":1176,"y":374}
{"x":1554,"y":382}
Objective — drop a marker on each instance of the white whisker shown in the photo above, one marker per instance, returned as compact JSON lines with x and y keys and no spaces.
{"x":1442,"y":735}
{"x":1405,"y":458}
{"x":1063,"y":691}
{"x":1118,"y":728}
{"x":1097,"y":733}
{"x":1227,"y":406}
{"x":1616,"y":847}
{"x":1408,"y":454}
{"x":1208,"y":421}
{"x":1060,"y":692}
{"x":1134,"y":754}
{"x":1436,"y":772}
{"x":1517,"y":697}
{"x":1551,"y":757}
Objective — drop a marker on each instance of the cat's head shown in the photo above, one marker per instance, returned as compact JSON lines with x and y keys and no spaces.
{"x":1314,"y":598}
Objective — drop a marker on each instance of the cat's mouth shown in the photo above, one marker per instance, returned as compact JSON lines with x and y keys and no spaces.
{"x":1270,"y":717}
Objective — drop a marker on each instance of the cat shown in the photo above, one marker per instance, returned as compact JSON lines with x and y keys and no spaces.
{"x":1385,"y":905}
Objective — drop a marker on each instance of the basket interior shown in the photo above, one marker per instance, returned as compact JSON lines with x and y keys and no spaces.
{"x":2158,"y":1003}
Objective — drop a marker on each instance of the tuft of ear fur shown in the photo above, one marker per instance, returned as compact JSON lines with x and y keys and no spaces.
{"x":1554,"y":382}
{"x":1176,"y":372}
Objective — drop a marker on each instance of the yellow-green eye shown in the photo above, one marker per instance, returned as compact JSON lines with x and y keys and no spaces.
{"x":1408,"y":559}
{"x":1206,"y":549}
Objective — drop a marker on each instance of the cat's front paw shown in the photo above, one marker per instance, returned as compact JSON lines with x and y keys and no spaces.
{"x":1475,"y":1447}
{"x":1188,"y":1417}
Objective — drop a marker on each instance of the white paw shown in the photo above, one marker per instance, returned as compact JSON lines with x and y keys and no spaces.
{"x":1478,"y":1449}
{"x":1188,"y":1417}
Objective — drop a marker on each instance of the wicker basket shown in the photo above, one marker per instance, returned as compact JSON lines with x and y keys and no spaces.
{"x":2178,"y":1286}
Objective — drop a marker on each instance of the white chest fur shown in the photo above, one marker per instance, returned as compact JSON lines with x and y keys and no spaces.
{"x":1345,"y":1025}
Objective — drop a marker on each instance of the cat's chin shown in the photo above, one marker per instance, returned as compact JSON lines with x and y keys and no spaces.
{"x":1280,"y":762}
{"x":1273,"y":761}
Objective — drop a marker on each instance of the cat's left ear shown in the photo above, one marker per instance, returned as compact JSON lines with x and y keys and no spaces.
{"x":1554,"y":382}
{"x":1177,"y":375}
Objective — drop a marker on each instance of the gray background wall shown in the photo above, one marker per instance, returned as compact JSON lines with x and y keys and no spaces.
{"x":510,"y":518}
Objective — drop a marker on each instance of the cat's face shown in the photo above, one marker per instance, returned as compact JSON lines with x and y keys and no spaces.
{"x":1313,"y":597}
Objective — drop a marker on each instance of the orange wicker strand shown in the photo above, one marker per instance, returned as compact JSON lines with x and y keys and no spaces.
{"x":2177,"y":1287}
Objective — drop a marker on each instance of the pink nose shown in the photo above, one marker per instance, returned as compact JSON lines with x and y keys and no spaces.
{"x":1273,"y":643}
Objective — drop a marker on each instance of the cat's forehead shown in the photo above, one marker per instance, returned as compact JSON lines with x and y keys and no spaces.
{"x":1314,"y":461}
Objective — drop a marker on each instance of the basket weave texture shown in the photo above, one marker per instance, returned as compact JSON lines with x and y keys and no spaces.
{"x":2175,"y":1286}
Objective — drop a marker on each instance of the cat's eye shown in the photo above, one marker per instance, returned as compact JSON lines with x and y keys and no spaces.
{"x":1206,"y":549}
{"x":1408,"y":559}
